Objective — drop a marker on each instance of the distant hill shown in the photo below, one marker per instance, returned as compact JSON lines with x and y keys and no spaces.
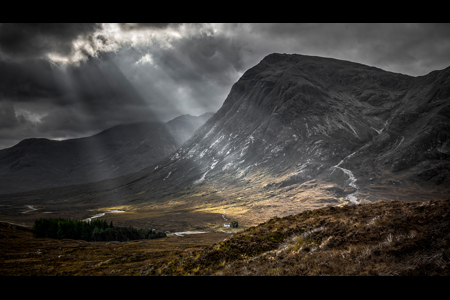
{"x":41,"y":163}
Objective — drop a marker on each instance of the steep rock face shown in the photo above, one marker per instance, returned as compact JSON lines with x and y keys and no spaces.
{"x":294,"y":118}
{"x":290,"y":111}
{"x":41,"y":163}
{"x":413,"y":145}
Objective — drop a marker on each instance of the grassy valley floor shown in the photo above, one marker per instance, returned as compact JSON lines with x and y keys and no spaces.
{"x":23,"y":255}
{"x":383,"y":238}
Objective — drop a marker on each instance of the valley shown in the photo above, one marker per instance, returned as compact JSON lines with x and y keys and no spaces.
{"x":297,"y":135}
{"x":380,"y":239}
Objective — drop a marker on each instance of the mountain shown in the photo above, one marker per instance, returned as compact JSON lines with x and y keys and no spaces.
{"x":296,"y":132}
{"x":355,"y":129}
{"x":41,"y":163}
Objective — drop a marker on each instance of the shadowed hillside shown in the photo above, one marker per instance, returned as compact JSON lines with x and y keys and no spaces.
{"x":41,"y":163}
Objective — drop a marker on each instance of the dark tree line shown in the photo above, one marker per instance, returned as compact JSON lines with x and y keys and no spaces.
{"x":95,"y":230}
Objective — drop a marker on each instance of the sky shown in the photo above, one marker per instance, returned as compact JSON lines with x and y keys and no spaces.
{"x":70,"y":80}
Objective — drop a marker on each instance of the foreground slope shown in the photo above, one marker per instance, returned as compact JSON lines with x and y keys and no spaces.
{"x":123,"y":149}
{"x":383,"y":239}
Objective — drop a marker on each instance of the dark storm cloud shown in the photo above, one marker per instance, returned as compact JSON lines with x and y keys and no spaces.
{"x":34,"y":40}
{"x":141,"y":26}
{"x":8,"y":117}
{"x":28,"y":80}
{"x":101,"y":95}
{"x":192,"y":76}
{"x":413,"y":49}
{"x":72,"y":98}
{"x":40,"y":100}
{"x":13,"y":127}
{"x":202,"y":57}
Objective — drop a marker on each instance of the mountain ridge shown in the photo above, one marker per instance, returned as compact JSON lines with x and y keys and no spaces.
{"x":113,"y":152}
{"x":357,"y":134}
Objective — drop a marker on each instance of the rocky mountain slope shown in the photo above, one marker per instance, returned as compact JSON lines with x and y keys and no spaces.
{"x":293,"y":118}
{"x":42,"y":163}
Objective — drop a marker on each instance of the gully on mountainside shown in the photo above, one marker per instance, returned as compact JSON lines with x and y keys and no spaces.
{"x":352,"y":197}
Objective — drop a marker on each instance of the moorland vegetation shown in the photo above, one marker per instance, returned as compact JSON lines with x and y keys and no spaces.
{"x":384,"y":238}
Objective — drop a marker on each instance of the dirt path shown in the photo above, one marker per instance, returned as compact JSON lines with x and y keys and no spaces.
{"x":31,"y":207}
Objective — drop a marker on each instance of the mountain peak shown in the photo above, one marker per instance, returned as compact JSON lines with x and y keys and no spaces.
{"x":32,"y":141}
{"x":295,"y":118}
